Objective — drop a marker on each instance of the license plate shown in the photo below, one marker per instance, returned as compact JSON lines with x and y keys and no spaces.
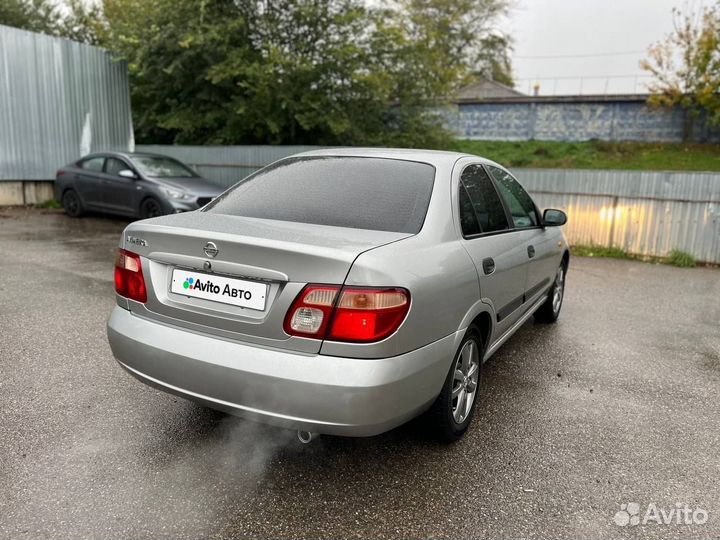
{"x":236,"y":292}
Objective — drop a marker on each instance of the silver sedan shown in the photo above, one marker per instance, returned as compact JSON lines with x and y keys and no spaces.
{"x":339,"y":291}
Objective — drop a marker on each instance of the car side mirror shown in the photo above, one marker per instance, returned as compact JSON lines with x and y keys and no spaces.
{"x":127,"y":173}
{"x":554,"y":218}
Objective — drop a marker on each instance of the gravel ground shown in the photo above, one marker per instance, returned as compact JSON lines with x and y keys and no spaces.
{"x":616,"y":403}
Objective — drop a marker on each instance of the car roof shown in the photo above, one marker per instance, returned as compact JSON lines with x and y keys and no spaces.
{"x":125,"y":154}
{"x":436,"y":158}
{"x":433,"y":157}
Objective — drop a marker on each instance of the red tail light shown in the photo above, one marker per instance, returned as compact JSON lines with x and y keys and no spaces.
{"x":365,"y":315}
{"x":129,"y":281}
{"x":353,"y":314}
{"x":59,"y":173}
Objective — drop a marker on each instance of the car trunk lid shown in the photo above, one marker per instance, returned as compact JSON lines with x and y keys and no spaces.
{"x":280,"y":257}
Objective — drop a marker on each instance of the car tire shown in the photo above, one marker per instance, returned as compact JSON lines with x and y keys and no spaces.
{"x":151,"y":208}
{"x":449,"y":418}
{"x":72,"y":204}
{"x":549,"y":311}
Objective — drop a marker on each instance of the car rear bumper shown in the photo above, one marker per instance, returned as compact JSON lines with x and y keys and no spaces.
{"x":324,"y":394}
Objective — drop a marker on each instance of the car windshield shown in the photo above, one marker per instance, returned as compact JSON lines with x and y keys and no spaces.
{"x":355,"y":192}
{"x":162,"y":167}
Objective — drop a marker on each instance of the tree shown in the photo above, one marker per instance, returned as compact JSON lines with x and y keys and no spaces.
{"x":33,"y":15}
{"x":694,"y":81}
{"x":73,"y":19}
{"x":333,"y":72}
{"x":82,"y":21}
{"x":313,"y":79}
{"x":494,"y":59}
{"x":171,"y":47}
{"x":458,"y":37}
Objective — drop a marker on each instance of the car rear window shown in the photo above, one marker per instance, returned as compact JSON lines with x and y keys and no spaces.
{"x":360,"y":193}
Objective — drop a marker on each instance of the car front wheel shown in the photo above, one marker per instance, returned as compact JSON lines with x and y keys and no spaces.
{"x":151,"y":208}
{"x":454,"y":408}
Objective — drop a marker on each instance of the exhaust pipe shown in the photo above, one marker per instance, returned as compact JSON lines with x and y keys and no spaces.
{"x":306,"y":437}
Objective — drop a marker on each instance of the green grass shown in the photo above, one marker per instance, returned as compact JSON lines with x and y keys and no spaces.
{"x":600,"y":251}
{"x":674,"y":258}
{"x":597,"y":154}
{"x":680,"y":258}
{"x":52,"y":203}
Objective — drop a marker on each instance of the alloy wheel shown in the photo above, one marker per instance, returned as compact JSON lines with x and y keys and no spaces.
{"x":465,"y":380}
{"x":558,"y":290}
{"x":71,"y":203}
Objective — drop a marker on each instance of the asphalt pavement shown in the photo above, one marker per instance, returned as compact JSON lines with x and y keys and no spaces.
{"x":617,"y":403}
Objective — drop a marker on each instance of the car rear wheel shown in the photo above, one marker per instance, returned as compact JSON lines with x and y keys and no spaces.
{"x":72,"y":204}
{"x":151,"y":208}
{"x":550,"y":310}
{"x":454,"y":408}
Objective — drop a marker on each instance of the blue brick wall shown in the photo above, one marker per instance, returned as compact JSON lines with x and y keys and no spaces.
{"x":573,"y":121}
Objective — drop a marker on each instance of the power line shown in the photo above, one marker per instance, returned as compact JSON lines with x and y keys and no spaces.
{"x":595,"y":55}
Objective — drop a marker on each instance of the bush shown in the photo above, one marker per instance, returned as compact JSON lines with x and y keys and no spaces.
{"x":681,"y":259}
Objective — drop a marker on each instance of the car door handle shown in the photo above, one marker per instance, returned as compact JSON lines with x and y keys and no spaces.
{"x":531,"y":251}
{"x":488,"y":266}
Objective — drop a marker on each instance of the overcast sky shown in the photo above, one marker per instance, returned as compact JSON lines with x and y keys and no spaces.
{"x":558,"y":28}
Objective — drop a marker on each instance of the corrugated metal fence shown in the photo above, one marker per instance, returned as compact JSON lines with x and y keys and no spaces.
{"x":59,"y":100}
{"x":645,"y":213}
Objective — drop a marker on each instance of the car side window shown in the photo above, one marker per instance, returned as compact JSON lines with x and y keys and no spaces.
{"x":114,"y":166}
{"x":93,"y":164}
{"x":482,"y":199}
{"x":519,"y":202}
{"x":468,"y":219}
